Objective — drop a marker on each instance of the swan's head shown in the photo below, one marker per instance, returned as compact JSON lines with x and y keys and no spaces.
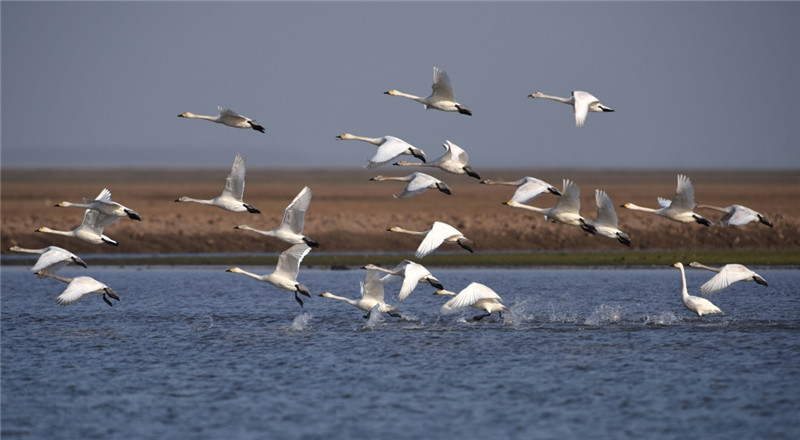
{"x":678,"y":265}
{"x":234,"y":270}
{"x":325,"y":294}
{"x":13,"y":248}
{"x":486,"y":181}
{"x":186,"y":115}
{"x":513,"y":204}
{"x":43,"y":229}
{"x":536,"y":95}
{"x":377,"y":178}
{"x":695,"y":264}
{"x":371,"y":266}
{"x":395,"y":229}
{"x":344,"y":136}
{"x":62,"y":204}
{"x":239,"y":226}
{"x":182,"y":199}
{"x":444,"y":292}
{"x":390,"y":92}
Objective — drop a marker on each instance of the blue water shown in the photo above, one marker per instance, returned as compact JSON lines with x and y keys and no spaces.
{"x":204,"y":354}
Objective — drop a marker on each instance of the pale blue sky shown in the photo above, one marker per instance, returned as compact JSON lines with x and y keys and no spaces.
{"x":695,"y":85}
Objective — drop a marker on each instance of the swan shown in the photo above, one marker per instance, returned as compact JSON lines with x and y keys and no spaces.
{"x":410,"y":273}
{"x":78,"y":287}
{"x":737,"y":215}
{"x":90,"y":229}
{"x":454,"y":161}
{"x":439,"y":233}
{"x":418,"y":183}
{"x":678,"y":209}
{"x":606,"y":222}
{"x":528,"y":189}
{"x":582,"y":103}
{"x":442,"y":96}
{"x":566,"y":209}
{"x":103,"y":204}
{"x":285,"y":274}
{"x":371,"y":296}
{"x":389,"y":148}
{"x":291,"y":227}
{"x":699,"y":305}
{"x":232,"y":192}
{"x":477,"y":296}
{"x":227,"y":117}
{"x":51,"y":259}
{"x":727,"y":275}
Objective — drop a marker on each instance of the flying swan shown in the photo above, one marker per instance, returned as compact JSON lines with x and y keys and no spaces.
{"x":91,"y":229}
{"x":232,"y":192}
{"x":528,"y":188}
{"x":410,"y":273}
{"x":439,"y":233}
{"x":566,"y":209}
{"x":727,"y":275}
{"x":606,"y":222}
{"x":389,"y":148}
{"x":454,"y":161}
{"x":477,"y":296}
{"x":582,"y":103}
{"x":51,"y":259}
{"x":105,"y":205}
{"x":371,"y":296}
{"x":227,"y":117}
{"x":418,"y":183}
{"x":737,"y":215}
{"x":285,"y":274}
{"x":442,"y":96}
{"x":291,"y":227}
{"x":680,"y":208}
{"x":696,"y":304}
{"x":79,"y":287}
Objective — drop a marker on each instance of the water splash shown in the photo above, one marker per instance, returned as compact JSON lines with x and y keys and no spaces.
{"x":561,"y":316}
{"x":375,"y":318}
{"x":604,"y":314}
{"x":664,"y":318}
{"x":516,"y":314}
{"x":301,"y":322}
{"x":200,"y":327}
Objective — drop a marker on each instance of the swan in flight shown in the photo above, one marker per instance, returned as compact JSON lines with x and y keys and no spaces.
{"x":454,"y":161}
{"x":582,"y":103}
{"x":389,"y":148}
{"x":285,"y":274}
{"x":528,"y":188}
{"x":79,"y":287}
{"x":410,"y":273}
{"x":51,"y":259}
{"x":680,"y":208}
{"x":227,"y":117}
{"x":566,"y":209}
{"x":477,"y":296}
{"x":737,"y":215}
{"x":371,"y":296}
{"x":439,"y":233}
{"x":91,"y":229}
{"x":696,"y":304}
{"x":606,"y":222}
{"x":442,"y":96}
{"x":104,"y":204}
{"x":232,"y":192}
{"x":291,"y":227}
{"x":727,"y":275}
{"x":418,"y":183}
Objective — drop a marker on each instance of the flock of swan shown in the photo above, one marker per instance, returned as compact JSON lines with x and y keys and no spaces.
{"x":101,"y":212}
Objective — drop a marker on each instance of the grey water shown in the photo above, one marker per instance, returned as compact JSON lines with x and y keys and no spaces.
{"x":195,"y":352}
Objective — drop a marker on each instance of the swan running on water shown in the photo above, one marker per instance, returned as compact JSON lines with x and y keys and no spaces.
{"x":439,"y":233}
{"x":696,"y":304}
{"x":389,"y":148}
{"x":103,"y":204}
{"x":418,"y":183}
{"x":227,"y":117}
{"x":232,"y":192}
{"x":566,"y":210}
{"x":528,"y":188}
{"x":51,"y":259}
{"x":291,"y":227}
{"x":371,"y":296}
{"x":727,"y":275}
{"x":79,"y":287}
{"x":737,"y":215}
{"x":410,"y":273}
{"x":285,"y":274}
{"x":442,"y":96}
{"x":582,"y":103}
{"x":454,"y":161}
{"x":91,"y":229}
{"x":606,"y":222}
{"x":680,"y":208}
{"x":477,"y":296}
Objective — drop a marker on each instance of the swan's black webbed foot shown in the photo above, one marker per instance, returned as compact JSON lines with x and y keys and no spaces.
{"x":479,"y":317}
{"x":394,"y":315}
{"x":297,"y":298}
{"x":107,"y":301}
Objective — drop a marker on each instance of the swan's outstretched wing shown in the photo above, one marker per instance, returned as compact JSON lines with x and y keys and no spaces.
{"x":582,"y":101}
{"x":55,"y":258}
{"x":104,"y":196}
{"x":294,"y":215}
{"x":606,"y":216}
{"x":739,"y":215}
{"x":438,"y":233}
{"x":419,"y":183}
{"x":95,"y":221}
{"x":234,"y":183}
{"x":469,"y":296}
{"x":455,"y":153}
{"x":289,"y":260}
{"x":372,"y":287}
{"x":664,"y":203}
{"x":413,"y":272}
{"x":570,"y":198}
{"x":727,"y":275}
{"x":684,"y":195}
{"x":388,"y":151}
{"x":228,"y":113}
{"x":441,"y":89}
{"x":531,"y":189}
{"x":77,"y":288}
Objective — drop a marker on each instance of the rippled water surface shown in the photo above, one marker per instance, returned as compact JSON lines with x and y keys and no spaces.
{"x":201,"y":353}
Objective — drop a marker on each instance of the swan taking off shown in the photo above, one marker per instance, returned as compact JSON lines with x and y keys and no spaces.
{"x":51,"y":259}
{"x":582,"y":103}
{"x":454,"y":161}
{"x":389,"y":148}
{"x":418,"y":183}
{"x":291,"y":227}
{"x":696,"y":304}
{"x":79,"y":287}
{"x":232,"y":192}
{"x":91,"y":229}
{"x":285,"y":274}
{"x":410,"y":273}
{"x":528,"y":189}
{"x":442,"y":96}
{"x":371,"y":296}
{"x":606,"y":223}
{"x":680,"y":208}
{"x":227,"y":117}
{"x":439,"y":233}
{"x":477,"y":296}
{"x":566,"y":209}
{"x":727,"y":275}
{"x":103,"y":204}
{"x":737,"y":215}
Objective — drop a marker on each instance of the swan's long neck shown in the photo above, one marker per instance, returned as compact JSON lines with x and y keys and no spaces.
{"x":684,"y":292}
{"x":406,"y":231}
{"x":409,"y":96}
{"x":502,"y":182}
{"x":633,"y":207}
{"x":402,"y":179}
{"x":258,"y":231}
{"x":375,"y":141}
{"x":206,"y":117}
{"x":405,"y":163}
{"x":352,"y":302}
{"x":513,"y":204}
{"x":703,"y":266}
{"x":250,"y":274}
{"x":568,"y":101}
{"x":189,"y":199}
{"x":380,"y":269}
{"x":54,"y":276}
{"x":73,"y":205}
{"x":716,"y":208}
{"x":27,"y":251}
{"x":53,"y":231}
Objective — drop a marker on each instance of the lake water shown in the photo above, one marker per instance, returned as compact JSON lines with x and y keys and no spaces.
{"x":204,"y":354}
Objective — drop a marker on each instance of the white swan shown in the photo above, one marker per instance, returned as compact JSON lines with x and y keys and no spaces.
{"x":79,"y":287}
{"x":418,"y":183}
{"x":528,"y":189}
{"x":566,"y":209}
{"x":727,"y":275}
{"x":291,"y":227}
{"x":227,"y":117}
{"x":91,"y":229}
{"x":696,"y":304}
{"x":389,"y":148}
{"x":680,"y":208}
{"x":285,"y":274}
{"x":737,"y":215}
{"x":582,"y":103}
{"x":371,"y":296}
{"x":454,"y":161}
{"x":477,"y":296}
{"x":410,"y":273}
{"x":104,"y":204}
{"x":439,"y":233}
{"x":606,"y":222}
{"x":51,"y":259}
{"x":442,"y":96}
{"x":232,"y":192}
